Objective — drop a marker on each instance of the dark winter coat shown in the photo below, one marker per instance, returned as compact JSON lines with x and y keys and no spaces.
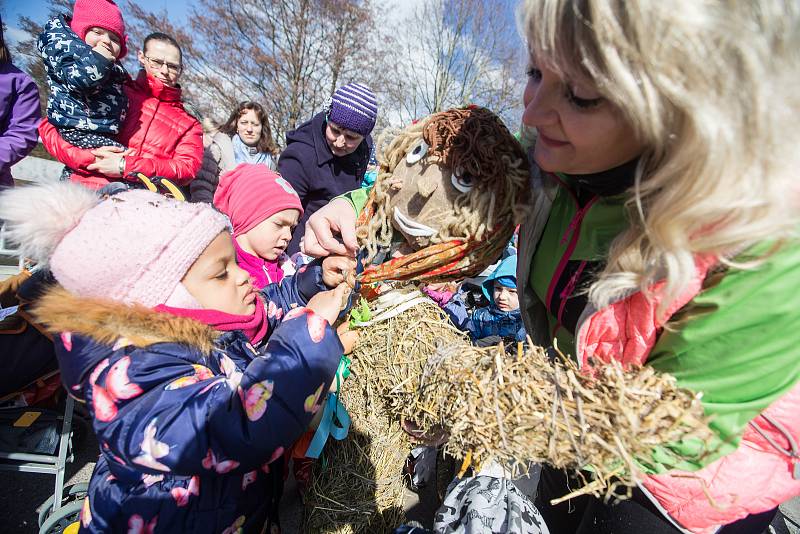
{"x":19,"y":116}
{"x":86,"y":89}
{"x":315,"y":173}
{"x":188,"y":419}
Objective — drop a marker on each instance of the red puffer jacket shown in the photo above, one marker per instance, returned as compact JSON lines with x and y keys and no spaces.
{"x":166,"y":141}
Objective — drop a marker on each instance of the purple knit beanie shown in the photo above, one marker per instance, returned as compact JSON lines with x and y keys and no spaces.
{"x":354,"y":107}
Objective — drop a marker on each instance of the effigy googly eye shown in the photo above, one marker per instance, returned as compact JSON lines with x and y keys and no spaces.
{"x":417,"y":153}
{"x":461,"y":181}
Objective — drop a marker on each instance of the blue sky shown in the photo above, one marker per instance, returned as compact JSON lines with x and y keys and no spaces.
{"x":12,"y":10}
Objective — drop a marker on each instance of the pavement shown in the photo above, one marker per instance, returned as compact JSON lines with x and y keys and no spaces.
{"x":32,"y":169}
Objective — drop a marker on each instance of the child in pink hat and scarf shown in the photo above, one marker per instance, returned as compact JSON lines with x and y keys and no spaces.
{"x":263,"y":209}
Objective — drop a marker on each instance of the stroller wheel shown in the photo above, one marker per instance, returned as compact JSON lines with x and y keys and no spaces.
{"x":73,"y":493}
{"x":62,"y":520}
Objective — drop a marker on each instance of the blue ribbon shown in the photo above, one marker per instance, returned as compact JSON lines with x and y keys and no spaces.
{"x":333,"y":412}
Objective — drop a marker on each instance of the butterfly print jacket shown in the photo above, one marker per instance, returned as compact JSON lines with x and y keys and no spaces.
{"x":189,"y":419}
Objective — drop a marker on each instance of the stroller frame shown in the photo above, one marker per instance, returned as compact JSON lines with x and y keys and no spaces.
{"x":54,"y":510}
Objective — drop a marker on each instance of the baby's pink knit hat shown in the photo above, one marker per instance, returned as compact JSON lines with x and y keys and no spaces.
{"x":135,"y":246}
{"x":102,"y":14}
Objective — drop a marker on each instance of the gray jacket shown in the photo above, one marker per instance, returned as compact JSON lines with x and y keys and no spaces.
{"x":217,"y":159}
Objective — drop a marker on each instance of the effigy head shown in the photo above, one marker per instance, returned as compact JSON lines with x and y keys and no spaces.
{"x":457,"y":176}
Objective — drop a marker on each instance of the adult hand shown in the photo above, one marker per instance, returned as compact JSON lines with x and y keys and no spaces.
{"x":337,"y":216}
{"x":107,"y":160}
{"x":337,"y":270}
{"x":328,"y":304}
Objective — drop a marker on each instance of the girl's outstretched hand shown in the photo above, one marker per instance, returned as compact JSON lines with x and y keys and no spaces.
{"x":328,"y":304}
{"x":349,"y":338}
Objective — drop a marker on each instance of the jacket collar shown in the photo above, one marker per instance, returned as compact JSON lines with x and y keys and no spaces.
{"x":324,"y":154}
{"x":610,"y":182}
{"x":156,"y":87}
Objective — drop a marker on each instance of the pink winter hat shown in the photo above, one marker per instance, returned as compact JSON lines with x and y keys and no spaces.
{"x":135,"y":246}
{"x":251,"y":193}
{"x":102,"y":14}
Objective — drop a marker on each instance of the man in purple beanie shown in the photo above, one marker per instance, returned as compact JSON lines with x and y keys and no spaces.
{"x":328,"y":155}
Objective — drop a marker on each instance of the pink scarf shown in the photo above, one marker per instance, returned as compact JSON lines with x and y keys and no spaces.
{"x":254,"y":326}
{"x":262,"y":271}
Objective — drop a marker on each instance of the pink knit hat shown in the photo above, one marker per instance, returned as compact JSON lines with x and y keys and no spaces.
{"x":102,"y":14}
{"x":135,"y":246}
{"x":251,"y":193}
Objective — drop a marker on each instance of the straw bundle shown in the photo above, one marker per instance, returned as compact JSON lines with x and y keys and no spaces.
{"x":525,"y":408}
{"x":358,"y":486}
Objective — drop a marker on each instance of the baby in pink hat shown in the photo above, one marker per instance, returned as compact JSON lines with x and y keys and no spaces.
{"x":81,"y":56}
{"x":196,"y":383}
{"x":263,"y":209}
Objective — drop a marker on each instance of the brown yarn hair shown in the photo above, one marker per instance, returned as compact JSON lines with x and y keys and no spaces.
{"x":265,"y":142}
{"x":474,"y":142}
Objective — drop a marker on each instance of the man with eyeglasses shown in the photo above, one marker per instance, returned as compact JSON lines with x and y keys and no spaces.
{"x":162,"y":138}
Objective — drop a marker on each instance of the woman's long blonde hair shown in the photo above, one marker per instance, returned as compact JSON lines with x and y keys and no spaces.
{"x":711,"y":87}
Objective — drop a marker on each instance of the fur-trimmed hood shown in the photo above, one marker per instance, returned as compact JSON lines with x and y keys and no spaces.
{"x":105,"y":323}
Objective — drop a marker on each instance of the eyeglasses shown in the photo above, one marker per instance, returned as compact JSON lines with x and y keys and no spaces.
{"x":159,"y":64}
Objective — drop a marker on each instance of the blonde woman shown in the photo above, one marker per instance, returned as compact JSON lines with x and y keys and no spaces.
{"x":665,"y":233}
{"x":668,"y":202}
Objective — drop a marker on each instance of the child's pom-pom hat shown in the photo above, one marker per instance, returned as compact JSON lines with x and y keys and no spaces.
{"x":135,"y":246}
{"x":38,"y":217}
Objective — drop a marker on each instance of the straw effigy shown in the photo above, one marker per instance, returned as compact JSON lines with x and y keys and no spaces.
{"x":358,"y":484}
{"x":514,"y":409}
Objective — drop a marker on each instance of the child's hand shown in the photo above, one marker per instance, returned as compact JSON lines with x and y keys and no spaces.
{"x":337,"y":270}
{"x":328,"y":304}
{"x":105,"y":51}
{"x":349,"y":338}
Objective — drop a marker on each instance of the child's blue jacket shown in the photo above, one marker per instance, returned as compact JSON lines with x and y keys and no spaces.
{"x":189,"y":420}
{"x":489,"y":320}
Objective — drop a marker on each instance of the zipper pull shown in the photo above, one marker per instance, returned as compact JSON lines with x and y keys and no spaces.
{"x":796,"y":468}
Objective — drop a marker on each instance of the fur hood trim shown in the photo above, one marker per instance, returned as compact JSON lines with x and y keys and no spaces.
{"x":106,"y":321}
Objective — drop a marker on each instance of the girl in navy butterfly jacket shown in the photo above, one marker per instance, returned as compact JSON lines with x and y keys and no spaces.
{"x":195,"y":381}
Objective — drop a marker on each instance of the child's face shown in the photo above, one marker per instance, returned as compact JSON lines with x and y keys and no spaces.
{"x":109,"y":40}
{"x":269,"y":238}
{"x":217,"y":282}
{"x":505,"y":298}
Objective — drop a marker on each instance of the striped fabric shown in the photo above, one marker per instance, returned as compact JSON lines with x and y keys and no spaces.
{"x":354,"y":107}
